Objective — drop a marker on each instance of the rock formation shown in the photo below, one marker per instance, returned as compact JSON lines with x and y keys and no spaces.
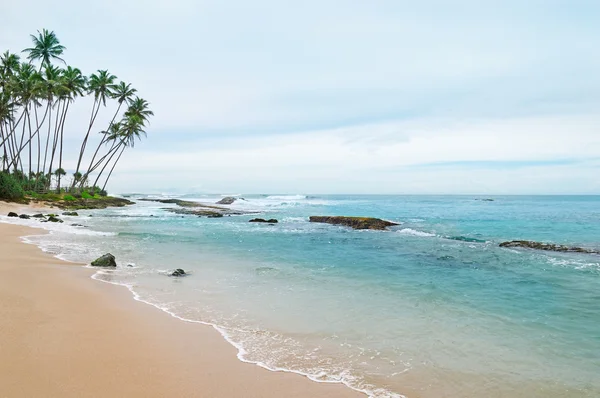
{"x":355,"y":222}
{"x":547,"y":246}
{"x":107,"y":260}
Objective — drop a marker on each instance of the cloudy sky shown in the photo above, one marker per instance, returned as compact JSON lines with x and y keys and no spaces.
{"x":331,"y":96}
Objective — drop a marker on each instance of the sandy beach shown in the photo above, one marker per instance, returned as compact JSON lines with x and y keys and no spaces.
{"x":63,"y":334}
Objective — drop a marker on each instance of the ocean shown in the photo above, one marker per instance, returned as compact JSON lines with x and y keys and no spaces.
{"x":431,"y":308}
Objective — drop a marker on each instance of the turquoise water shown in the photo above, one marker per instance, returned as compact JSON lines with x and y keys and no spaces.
{"x":411,"y":311}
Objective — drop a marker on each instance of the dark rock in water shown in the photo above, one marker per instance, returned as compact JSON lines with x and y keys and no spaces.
{"x":206,"y":210}
{"x":13,"y":214}
{"x":130,"y":265}
{"x":445,"y":258}
{"x":107,"y":260}
{"x":465,"y":239}
{"x":269,"y":221}
{"x":39,"y":215}
{"x":70,"y":213}
{"x":227,"y":200}
{"x":355,"y":222}
{"x":547,"y":246}
{"x":54,"y":219}
{"x":486,"y":200}
{"x":178,"y":272}
{"x":215,"y":215}
{"x":24,"y":216}
{"x":77,"y":225}
{"x":51,"y":215}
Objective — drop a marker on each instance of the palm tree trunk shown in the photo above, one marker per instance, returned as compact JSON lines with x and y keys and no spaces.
{"x":84,"y":143}
{"x":39,"y":146}
{"x":62,"y":128}
{"x":113,"y":167}
{"x":89,"y":169}
{"x":48,"y":138}
{"x":59,"y":121}
{"x":29,"y":143}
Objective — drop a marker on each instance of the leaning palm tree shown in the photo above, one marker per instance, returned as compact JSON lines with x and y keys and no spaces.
{"x":124,"y":135}
{"x":139,"y":108}
{"x":102,"y":86}
{"x":46,"y":47}
{"x":132,"y":128}
{"x":123,"y":93}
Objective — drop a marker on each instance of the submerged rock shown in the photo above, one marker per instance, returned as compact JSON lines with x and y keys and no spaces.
{"x":269,"y":221}
{"x":547,"y":246}
{"x":107,"y":260}
{"x":54,"y":219}
{"x":465,"y":239}
{"x":39,"y":215}
{"x":178,"y":272}
{"x":227,"y":200}
{"x":215,"y":215}
{"x":24,"y":216}
{"x":355,"y":222}
{"x":70,"y":213}
{"x":13,"y":214}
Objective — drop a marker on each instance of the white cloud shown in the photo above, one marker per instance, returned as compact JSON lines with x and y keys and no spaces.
{"x":368,"y":158}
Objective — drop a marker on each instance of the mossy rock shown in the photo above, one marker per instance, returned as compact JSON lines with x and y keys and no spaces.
{"x":107,"y":260}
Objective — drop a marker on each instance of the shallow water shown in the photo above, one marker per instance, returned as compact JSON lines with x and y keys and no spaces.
{"x":431,"y":308}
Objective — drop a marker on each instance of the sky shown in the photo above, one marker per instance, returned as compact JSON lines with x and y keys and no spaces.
{"x":383,"y":96}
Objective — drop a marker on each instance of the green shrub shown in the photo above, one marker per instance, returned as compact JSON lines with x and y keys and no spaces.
{"x":86,"y":195}
{"x":68,"y":198}
{"x":50,"y":196}
{"x":10,"y":187}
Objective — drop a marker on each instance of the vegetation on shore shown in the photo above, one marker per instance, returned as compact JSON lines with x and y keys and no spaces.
{"x":35,"y":98}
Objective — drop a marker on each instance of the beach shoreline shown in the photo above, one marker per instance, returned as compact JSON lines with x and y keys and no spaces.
{"x":66,"y":335}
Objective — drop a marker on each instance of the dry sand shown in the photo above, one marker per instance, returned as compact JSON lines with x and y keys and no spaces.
{"x":63,"y":334}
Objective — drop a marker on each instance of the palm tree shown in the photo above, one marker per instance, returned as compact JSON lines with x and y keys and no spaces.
{"x":132,"y":128}
{"x":27,"y":90}
{"x":59,"y":173}
{"x":52,"y":88}
{"x":9,"y":63}
{"x":122,"y":93}
{"x":137,"y":114}
{"x":46,"y":47}
{"x":102,"y":86}
{"x":72,"y":85}
{"x":139,"y":108}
